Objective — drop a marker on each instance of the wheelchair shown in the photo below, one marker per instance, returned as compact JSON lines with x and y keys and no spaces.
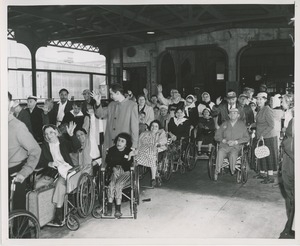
{"x":130,"y":193}
{"x":79,"y":200}
{"x":21,"y":223}
{"x":241,"y":165}
{"x":192,"y":153}
{"x":175,"y":158}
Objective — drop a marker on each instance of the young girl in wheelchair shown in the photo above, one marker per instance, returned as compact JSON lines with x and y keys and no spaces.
{"x":151,"y":145}
{"x":179,"y":127}
{"x":205,"y":131}
{"x":118,"y":162}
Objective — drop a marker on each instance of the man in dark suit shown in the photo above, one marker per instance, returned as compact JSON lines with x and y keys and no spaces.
{"x":21,"y":114}
{"x":35,"y":118}
{"x":63,"y":106}
{"x":220,"y":111}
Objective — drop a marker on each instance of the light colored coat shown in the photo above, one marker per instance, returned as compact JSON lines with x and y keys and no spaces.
{"x":121,"y":117}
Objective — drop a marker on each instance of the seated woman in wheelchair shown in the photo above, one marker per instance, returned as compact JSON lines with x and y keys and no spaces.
{"x":88,"y":155}
{"x":56,"y":161}
{"x":231,"y":135}
{"x":179,"y":126}
{"x":205,"y":131}
{"x":150,"y":143}
{"x":118,"y":160}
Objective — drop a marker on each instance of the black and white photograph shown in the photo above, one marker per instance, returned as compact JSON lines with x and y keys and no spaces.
{"x":149,"y":123}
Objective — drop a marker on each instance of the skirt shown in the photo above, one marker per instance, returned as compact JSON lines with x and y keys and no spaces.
{"x":270,"y":162}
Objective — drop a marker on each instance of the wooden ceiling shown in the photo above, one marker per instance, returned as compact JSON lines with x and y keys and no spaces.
{"x":111,"y":26}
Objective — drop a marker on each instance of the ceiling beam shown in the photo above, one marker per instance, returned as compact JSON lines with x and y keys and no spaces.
{"x":131,"y":15}
{"x":174,"y":12}
{"x":61,"y":19}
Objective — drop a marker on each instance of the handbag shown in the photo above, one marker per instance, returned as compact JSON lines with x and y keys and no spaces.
{"x":261,"y":151}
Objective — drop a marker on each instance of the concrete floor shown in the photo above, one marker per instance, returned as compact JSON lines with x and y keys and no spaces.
{"x":189,"y":206}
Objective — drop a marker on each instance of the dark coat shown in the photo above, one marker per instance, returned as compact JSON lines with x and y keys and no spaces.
{"x":193,"y":116}
{"x":24,"y":116}
{"x":180,"y":131}
{"x":66,"y":147}
{"x":36,"y":123}
{"x":76,"y":119}
{"x":221,"y":111}
{"x":85,"y":104}
{"x":49,"y":118}
{"x":68,"y":108}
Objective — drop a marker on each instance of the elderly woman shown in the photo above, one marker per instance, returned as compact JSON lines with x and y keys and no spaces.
{"x":205,"y":103}
{"x":265,"y":131}
{"x":143,"y":107}
{"x":56,"y":161}
{"x":150,"y":143}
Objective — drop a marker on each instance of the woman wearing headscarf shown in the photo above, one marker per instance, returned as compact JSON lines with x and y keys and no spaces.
{"x":190,"y":110}
{"x":205,"y":103}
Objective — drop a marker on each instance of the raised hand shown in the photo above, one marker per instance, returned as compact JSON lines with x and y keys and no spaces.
{"x":159,"y":88}
{"x":145,"y":91}
{"x":70,"y":128}
{"x":97,"y":96}
{"x":219,"y":100}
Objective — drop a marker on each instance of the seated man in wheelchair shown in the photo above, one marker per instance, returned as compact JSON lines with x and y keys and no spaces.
{"x":231,"y":135}
{"x":119,"y":160}
{"x":56,"y":161}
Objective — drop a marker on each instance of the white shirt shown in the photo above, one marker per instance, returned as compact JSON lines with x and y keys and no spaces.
{"x":55,"y":152}
{"x":61,"y":111}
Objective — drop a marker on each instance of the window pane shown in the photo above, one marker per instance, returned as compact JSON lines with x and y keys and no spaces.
{"x":74,"y":83}
{"x":20,"y":84}
{"x":41,"y":85}
{"x":99,"y":83}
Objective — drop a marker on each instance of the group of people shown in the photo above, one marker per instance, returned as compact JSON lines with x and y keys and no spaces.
{"x":141,"y":126}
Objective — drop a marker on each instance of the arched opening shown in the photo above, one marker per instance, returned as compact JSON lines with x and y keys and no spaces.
{"x":269,"y":62}
{"x":167,"y":74}
{"x":186,"y":77}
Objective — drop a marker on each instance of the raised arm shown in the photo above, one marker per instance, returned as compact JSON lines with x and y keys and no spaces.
{"x":161,"y":97}
{"x":100,"y":112}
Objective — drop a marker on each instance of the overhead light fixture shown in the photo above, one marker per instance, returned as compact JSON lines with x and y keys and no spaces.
{"x":150,"y":33}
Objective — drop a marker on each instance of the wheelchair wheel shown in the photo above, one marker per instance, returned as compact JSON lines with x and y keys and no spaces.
{"x":136,"y":188}
{"x":168,"y":167}
{"x":73,"y":222}
{"x":239,"y":176}
{"x":85,"y":195}
{"x":191,"y":156}
{"x":97,"y":211}
{"x":244,"y":172}
{"x":23,"y":224}
{"x":135,"y":211}
{"x":212,"y":164}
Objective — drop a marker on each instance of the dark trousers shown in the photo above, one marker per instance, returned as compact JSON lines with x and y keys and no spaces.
{"x":19,"y":198}
{"x":288,"y":181}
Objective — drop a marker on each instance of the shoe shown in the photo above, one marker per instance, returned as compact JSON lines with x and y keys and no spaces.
{"x":56,"y":223}
{"x":118,"y":213}
{"x":287,"y":235}
{"x":199,"y":153}
{"x":153,"y":183}
{"x":267,"y":180}
{"x":109,"y":209}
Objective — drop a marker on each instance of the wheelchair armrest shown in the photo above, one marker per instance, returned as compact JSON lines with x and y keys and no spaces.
{"x":103,"y":167}
{"x":73,"y":171}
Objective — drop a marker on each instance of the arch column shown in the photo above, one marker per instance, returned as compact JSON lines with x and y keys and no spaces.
{"x":33,"y":43}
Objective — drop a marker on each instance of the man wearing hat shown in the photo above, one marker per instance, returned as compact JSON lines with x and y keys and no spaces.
{"x":62,"y":106}
{"x":247,"y":112}
{"x":36,"y":118}
{"x":21,"y":114}
{"x":231,"y":135}
{"x":221,"y":111}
